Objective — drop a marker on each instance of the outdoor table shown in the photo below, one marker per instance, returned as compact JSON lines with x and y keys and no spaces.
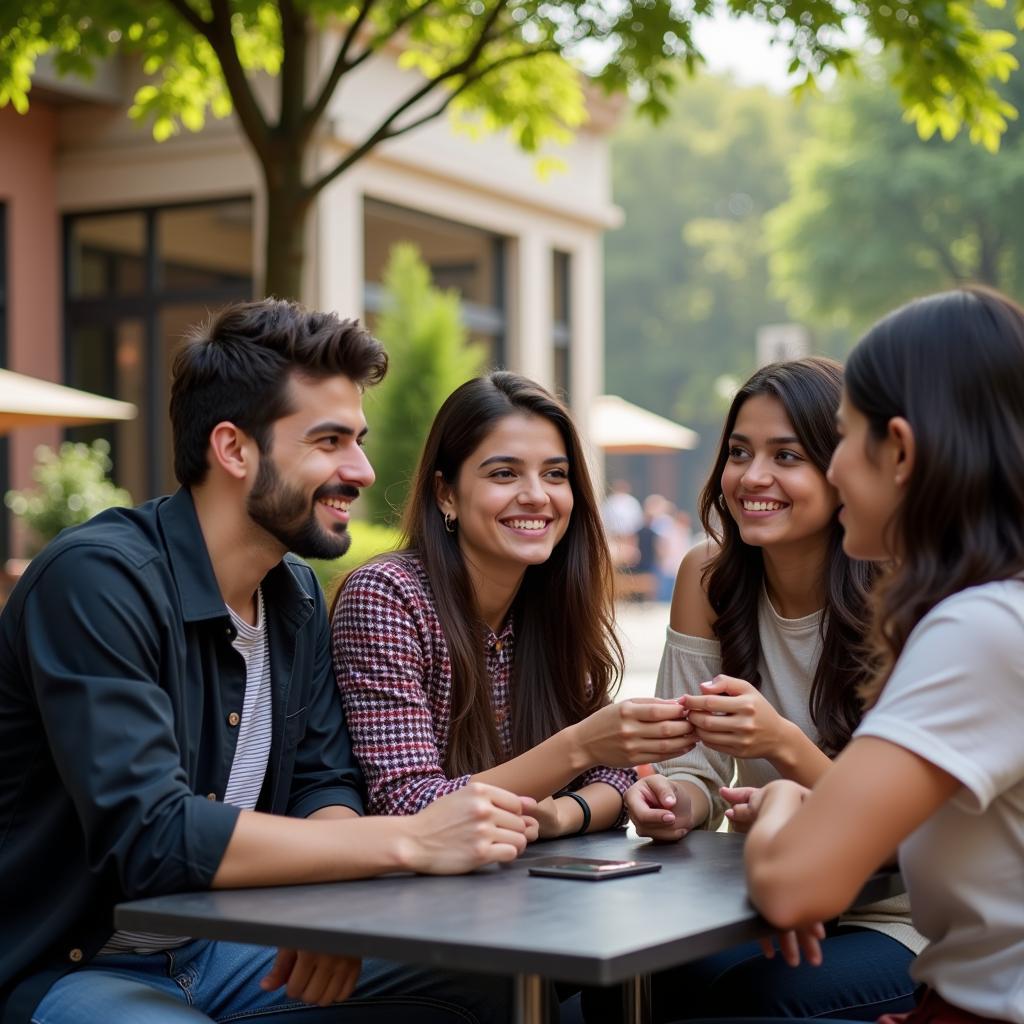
{"x":501,"y":920}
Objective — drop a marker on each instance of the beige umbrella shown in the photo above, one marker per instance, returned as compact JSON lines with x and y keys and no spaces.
{"x":623,"y":428}
{"x":28,"y":401}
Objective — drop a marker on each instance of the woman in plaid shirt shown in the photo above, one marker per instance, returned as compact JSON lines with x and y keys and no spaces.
{"x":485,"y":649}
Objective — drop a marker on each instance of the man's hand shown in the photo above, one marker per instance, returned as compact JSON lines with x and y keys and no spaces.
{"x":319,"y":979}
{"x":731,"y":716}
{"x":635,"y":731}
{"x":659,"y":809}
{"x":476,"y":825}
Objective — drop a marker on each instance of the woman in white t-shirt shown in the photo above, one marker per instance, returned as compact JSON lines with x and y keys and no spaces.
{"x":930,"y":470}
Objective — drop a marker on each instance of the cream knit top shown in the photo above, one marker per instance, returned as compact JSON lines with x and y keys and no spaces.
{"x":790,"y":649}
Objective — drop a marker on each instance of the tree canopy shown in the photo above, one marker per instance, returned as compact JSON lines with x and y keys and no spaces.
{"x":687,"y":274}
{"x":508,"y":64}
{"x":877,"y":216}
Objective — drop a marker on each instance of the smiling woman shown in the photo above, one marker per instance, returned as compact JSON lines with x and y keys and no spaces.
{"x":485,"y":649}
{"x":762,"y":649}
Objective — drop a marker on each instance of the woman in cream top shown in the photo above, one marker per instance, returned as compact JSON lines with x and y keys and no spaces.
{"x":766,"y":618}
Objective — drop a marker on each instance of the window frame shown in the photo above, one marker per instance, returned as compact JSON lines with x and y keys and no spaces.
{"x":146,"y":306}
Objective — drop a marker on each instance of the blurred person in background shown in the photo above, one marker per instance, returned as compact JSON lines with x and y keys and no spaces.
{"x":622,"y":515}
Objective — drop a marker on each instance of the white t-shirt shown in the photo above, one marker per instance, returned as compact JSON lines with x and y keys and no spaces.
{"x":956,"y":699}
{"x":252,"y":749}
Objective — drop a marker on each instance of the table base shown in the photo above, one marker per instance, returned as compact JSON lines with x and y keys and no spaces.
{"x":532,"y":1000}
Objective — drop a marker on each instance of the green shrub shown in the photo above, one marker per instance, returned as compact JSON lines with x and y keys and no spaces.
{"x":431,"y":355}
{"x":71,"y":486}
{"x":368,"y":539}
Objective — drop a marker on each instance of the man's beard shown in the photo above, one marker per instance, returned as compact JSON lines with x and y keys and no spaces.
{"x":289,"y":515}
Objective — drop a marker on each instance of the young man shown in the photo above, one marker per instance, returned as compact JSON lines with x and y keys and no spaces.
{"x":171,"y":721}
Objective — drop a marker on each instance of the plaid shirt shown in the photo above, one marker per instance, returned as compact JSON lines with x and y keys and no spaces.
{"x":393,"y":669}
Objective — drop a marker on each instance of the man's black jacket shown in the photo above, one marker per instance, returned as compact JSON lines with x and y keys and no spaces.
{"x":117,"y":680}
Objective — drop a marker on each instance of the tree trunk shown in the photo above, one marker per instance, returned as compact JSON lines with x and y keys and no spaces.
{"x":988,"y":259}
{"x":287,"y":209}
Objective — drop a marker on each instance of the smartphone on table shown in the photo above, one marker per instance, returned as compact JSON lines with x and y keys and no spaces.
{"x":589,"y":869}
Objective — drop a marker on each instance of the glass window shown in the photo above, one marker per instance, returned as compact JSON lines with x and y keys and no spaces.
{"x":561,"y":332}
{"x":122,"y":330}
{"x":462,"y":257}
{"x":198,"y":246}
{"x":107,"y":255}
{"x":111,"y":360}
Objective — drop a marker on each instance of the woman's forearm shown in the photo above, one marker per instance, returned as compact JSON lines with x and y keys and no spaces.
{"x":699,"y":804}
{"x":766,"y":858}
{"x":605,"y":804}
{"x":542,"y":770}
{"x":799,"y":759}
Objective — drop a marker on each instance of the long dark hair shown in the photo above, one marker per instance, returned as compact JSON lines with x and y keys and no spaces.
{"x":567,"y":657}
{"x":952,"y":365}
{"x":809,"y":390}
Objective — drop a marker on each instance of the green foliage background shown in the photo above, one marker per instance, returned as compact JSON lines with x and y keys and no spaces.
{"x":743,"y":209}
{"x":876,"y":216}
{"x":368,"y":539}
{"x":430,"y":356}
{"x":687,"y":278}
{"x":71,"y":487}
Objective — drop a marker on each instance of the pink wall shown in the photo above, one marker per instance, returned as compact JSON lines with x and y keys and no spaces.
{"x":28,"y":187}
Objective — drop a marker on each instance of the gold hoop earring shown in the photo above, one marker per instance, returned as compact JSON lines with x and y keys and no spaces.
{"x":449,"y":523}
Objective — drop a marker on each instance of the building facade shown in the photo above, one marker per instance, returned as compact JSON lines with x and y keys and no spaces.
{"x":112,"y":245}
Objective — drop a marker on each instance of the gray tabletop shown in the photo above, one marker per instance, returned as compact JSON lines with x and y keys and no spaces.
{"x":503,"y":920}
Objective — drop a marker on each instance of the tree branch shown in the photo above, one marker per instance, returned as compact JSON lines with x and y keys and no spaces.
{"x":295,"y":53}
{"x":946,"y":258}
{"x":990,"y":243}
{"x":378,"y":41}
{"x":342,"y":65}
{"x":384,"y":131}
{"x":189,"y":14}
{"x":465,"y":84}
{"x":338,"y":69}
{"x":459,"y":68}
{"x":250,"y":114}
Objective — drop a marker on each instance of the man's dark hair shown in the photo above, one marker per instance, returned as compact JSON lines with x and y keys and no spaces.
{"x":238,"y":365}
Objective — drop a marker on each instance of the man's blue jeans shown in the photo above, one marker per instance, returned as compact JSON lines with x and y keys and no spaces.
{"x":219,"y":981}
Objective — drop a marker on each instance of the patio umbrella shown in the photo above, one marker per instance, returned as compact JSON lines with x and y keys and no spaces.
{"x":623,"y":428}
{"x":28,"y":401}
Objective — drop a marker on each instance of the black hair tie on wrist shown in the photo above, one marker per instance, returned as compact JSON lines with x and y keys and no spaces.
{"x":584,"y":806}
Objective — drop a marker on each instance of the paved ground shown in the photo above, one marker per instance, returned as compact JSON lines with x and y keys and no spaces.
{"x":642,"y":629}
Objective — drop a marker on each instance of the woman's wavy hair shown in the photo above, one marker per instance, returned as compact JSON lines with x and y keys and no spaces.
{"x":809,"y":390}
{"x":952,"y":365}
{"x":568,"y":660}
